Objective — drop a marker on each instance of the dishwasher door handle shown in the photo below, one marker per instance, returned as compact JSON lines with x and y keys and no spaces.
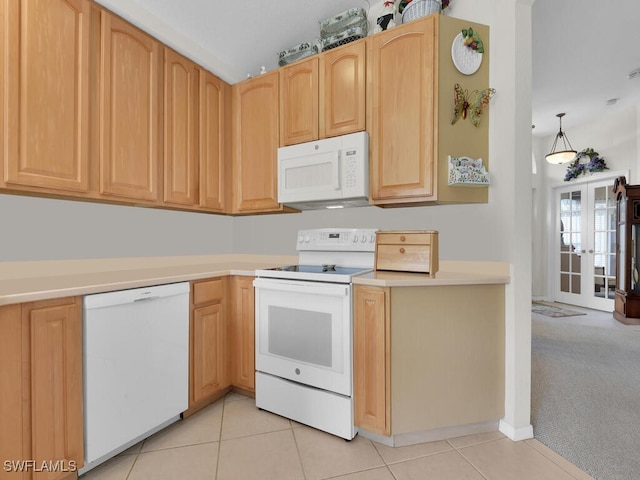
{"x":143,"y":299}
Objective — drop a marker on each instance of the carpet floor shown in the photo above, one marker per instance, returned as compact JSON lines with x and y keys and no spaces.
{"x":585,"y":400}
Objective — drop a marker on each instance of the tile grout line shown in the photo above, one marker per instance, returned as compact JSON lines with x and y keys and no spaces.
{"x":295,"y":441}
{"x":459,"y":452}
{"x":224,"y":404}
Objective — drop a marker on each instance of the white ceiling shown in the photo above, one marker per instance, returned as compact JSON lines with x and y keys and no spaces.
{"x":583,"y":49}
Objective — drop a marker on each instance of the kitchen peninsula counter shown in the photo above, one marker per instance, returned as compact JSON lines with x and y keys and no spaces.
{"x":31,"y":281}
{"x":451,"y":273}
{"x":429,"y":357}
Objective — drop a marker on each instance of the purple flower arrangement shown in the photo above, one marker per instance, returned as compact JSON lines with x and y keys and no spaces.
{"x":595,"y":164}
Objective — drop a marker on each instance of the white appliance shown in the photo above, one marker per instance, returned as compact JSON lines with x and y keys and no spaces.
{"x":333,"y":172}
{"x":304,"y":329}
{"x":136,"y":366}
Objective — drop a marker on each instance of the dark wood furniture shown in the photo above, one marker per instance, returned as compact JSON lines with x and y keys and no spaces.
{"x":627,"y":299}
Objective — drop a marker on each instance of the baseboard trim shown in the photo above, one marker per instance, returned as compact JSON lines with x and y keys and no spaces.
{"x":423,"y":436}
{"x":516,"y":434}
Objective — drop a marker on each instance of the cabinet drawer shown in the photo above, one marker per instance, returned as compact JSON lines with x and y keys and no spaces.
{"x":404,"y":238}
{"x":409,"y":258}
{"x":207,"y":291}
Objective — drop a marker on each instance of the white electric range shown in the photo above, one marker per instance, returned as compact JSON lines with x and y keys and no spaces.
{"x":304,"y":329}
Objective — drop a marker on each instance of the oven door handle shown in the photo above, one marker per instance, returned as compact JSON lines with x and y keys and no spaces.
{"x":303,"y":287}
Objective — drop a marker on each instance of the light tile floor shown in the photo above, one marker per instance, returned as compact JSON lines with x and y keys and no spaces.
{"x":233,"y":440}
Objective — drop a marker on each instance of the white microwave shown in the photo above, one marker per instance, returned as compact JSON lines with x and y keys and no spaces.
{"x":328,"y":173}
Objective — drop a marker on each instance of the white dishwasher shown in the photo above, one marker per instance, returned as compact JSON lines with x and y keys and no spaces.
{"x":136,"y":366}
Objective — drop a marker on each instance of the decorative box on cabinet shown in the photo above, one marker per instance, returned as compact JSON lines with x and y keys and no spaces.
{"x":411,"y":79}
{"x":627,"y":296}
{"x":407,"y":251}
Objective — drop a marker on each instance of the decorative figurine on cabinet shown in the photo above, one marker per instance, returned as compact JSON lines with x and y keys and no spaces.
{"x":627,"y":299}
{"x":385,"y":19}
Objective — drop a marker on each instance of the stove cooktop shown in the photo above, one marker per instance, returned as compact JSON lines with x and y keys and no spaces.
{"x":320,"y":273}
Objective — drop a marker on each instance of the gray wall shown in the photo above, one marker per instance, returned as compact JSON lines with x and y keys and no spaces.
{"x":44,"y":229}
{"x":466,"y":232}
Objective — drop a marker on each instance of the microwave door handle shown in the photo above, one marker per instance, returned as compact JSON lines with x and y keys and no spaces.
{"x":336,"y":170}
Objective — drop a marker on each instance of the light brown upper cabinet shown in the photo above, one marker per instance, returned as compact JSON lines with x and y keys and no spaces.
{"x":343,"y":90}
{"x":44,"y":94}
{"x":214,"y":145}
{"x":402,"y":75}
{"x":255,"y":144}
{"x":411,"y":80}
{"x":323,"y":96}
{"x":130,"y":75}
{"x":299,"y":102}
{"x":181,"y":84}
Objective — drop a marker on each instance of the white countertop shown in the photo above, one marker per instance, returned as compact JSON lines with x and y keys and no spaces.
{"x":31,"y":281}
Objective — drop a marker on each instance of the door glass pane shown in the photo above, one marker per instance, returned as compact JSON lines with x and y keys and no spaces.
{"x":604,"y":229}
{"x":570,"y":241}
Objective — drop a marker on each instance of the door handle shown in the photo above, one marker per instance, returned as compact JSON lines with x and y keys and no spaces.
{"x":590,"y":251}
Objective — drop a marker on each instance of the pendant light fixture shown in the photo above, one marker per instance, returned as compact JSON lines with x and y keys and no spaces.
{"x":561,"y":156}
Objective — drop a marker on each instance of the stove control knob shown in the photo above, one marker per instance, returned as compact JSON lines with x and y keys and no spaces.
{"x":363,"y":238}
{"x":300,"y":238}
{"x":307,"y":239}
{"x":372,"y":238}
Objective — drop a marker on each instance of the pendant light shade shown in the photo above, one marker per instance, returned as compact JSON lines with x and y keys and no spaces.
{"x":561,"y":156}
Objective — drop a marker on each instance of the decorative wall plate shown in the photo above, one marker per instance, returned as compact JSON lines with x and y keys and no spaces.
{"x":466,"y":60}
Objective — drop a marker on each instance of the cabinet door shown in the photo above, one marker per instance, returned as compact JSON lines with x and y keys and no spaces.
{"x":209,"y":339}
{"x":44,"y":93}
{"x":371,"y":359}
{"x":208,"y":354}
{"x":129,"y":119}
{"x":402,"y":128}
{"x":180,"y":129}
{"x":214,"y":105}
{"x":299,"y":102}
{"x":342,"y":90}
{"x":243,"y":333}
{"x":255,"y":144}
{"x":52,"y":336}
{"x":11,"y":385}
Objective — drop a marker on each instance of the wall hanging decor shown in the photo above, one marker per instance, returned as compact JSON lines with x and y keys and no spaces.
{"x":473,"y":103}
{"x":466,"y":171}
{"x":593,"y":163}
{"x":466,"y":51}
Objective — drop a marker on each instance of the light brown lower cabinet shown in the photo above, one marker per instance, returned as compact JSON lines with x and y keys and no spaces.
{"x":243,"y":365}
{"x":428,"y":360}
{"x":209,"y":335}
{"x":41,"y":385}
{"x":371,"y":359}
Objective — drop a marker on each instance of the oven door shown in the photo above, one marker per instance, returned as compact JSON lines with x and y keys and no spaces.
{"x":304,"y":332}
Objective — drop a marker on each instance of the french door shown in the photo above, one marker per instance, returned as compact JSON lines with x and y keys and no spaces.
{"x":584,"y":245}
